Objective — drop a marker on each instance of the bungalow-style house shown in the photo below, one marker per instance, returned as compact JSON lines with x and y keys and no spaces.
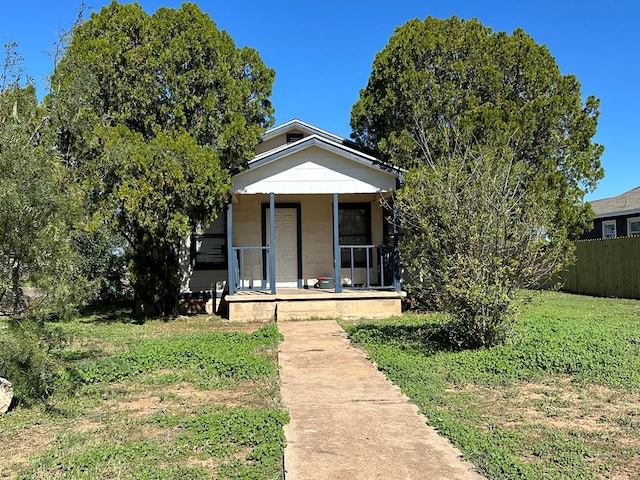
{"x":308,"y":232}
{"x":616,"y":216}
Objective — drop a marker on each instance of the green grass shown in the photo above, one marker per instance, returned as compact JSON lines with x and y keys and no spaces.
{"x":189,"y":398}
{"x":560,"y":400}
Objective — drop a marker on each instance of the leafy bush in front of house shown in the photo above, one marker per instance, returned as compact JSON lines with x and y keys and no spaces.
{"x":28,"y":367}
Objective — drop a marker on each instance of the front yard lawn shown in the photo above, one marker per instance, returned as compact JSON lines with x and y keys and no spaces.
{"x":181,"y":399}
{"x":560,"y":401}
{"x":198,"y":397}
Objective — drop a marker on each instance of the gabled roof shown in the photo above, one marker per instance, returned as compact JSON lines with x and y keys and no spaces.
{"x":326,"y":144}
{"x":626,"y":203}
{"x":318,"y":163}
{"x":320,"y":138}
{"x":300,"y":125}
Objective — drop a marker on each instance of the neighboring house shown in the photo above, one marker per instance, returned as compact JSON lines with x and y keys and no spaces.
{"x":308,"y":231}
{"x":616,"y":216}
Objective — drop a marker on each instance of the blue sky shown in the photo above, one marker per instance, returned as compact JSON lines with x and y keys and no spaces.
{"x":322,"y":52}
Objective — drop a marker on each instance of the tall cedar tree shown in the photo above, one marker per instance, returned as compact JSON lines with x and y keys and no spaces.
{"x":498,"y":149}
{"x":154,"y":113}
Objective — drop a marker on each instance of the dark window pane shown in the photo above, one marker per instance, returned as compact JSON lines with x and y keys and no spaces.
{"x":209,"y":250}
{"x":354,"y":224}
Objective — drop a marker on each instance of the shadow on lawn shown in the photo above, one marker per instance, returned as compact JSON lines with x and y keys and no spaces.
{"x":120,"y":311}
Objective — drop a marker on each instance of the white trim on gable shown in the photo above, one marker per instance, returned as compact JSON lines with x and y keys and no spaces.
{"x":300,"y":125}
{"x":315,"y":140}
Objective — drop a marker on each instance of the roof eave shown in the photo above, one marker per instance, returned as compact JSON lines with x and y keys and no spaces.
{"x":619,"y":213}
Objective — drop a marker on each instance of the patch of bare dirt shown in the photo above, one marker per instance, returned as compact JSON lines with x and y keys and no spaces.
{"x":605,"y":418}
{"x":172,"y":399}
{"x":627,"y":471}
{"x":211,"y":464}
{"x":19,"y":445}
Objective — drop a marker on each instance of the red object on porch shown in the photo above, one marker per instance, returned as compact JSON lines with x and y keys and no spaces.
{"x":324,"y":281}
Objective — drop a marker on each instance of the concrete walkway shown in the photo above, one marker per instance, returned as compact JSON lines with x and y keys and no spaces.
{"x":347,"y":420}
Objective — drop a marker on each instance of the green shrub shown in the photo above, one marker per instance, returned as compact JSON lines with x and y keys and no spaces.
{"x":27,"y":365}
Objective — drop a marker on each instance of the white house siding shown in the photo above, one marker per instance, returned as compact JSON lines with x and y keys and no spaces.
{"x":204,"y":280}
{"x":313,"y":170}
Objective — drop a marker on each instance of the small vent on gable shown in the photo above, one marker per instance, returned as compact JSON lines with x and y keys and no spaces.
{"x":294,"y":137}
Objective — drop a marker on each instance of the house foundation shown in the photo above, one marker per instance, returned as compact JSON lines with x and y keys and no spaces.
{"x":308,"y":304}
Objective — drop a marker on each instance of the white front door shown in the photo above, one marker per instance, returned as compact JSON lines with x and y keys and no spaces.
{"x":286,"y":230}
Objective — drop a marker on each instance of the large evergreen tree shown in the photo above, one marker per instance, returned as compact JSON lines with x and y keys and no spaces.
{"x":154,"y":112}
{"x":439,"y":76}
{"x":498,"y":149}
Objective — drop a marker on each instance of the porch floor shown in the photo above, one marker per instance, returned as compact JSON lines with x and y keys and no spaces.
{"x":294,"y":303}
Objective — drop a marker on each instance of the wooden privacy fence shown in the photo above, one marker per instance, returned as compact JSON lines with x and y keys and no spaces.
{"x":606,"y":268}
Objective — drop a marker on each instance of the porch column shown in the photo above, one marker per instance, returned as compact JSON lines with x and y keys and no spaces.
{"x":231,"y":259}
{"x":337,"y":263}
{"x":272,"y":242}
{"x":396,"y":250}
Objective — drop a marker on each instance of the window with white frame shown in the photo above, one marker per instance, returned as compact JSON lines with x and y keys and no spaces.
{"x":609,"y":229}
{"x":633,"y":226}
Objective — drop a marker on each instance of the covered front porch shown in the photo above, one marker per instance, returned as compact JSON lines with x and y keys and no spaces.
{"x":312,"y":255}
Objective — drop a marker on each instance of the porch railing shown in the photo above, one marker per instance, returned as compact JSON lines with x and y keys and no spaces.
{"x":248,"y":270}
{"x":361,"y":256}
{"x":248,"y":267}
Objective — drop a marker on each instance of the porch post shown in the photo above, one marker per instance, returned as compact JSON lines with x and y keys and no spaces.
{"x":396,"y":251}
{"x":231,"y":260}
{"x":337,"y":263}
{"x":272,"y":242}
